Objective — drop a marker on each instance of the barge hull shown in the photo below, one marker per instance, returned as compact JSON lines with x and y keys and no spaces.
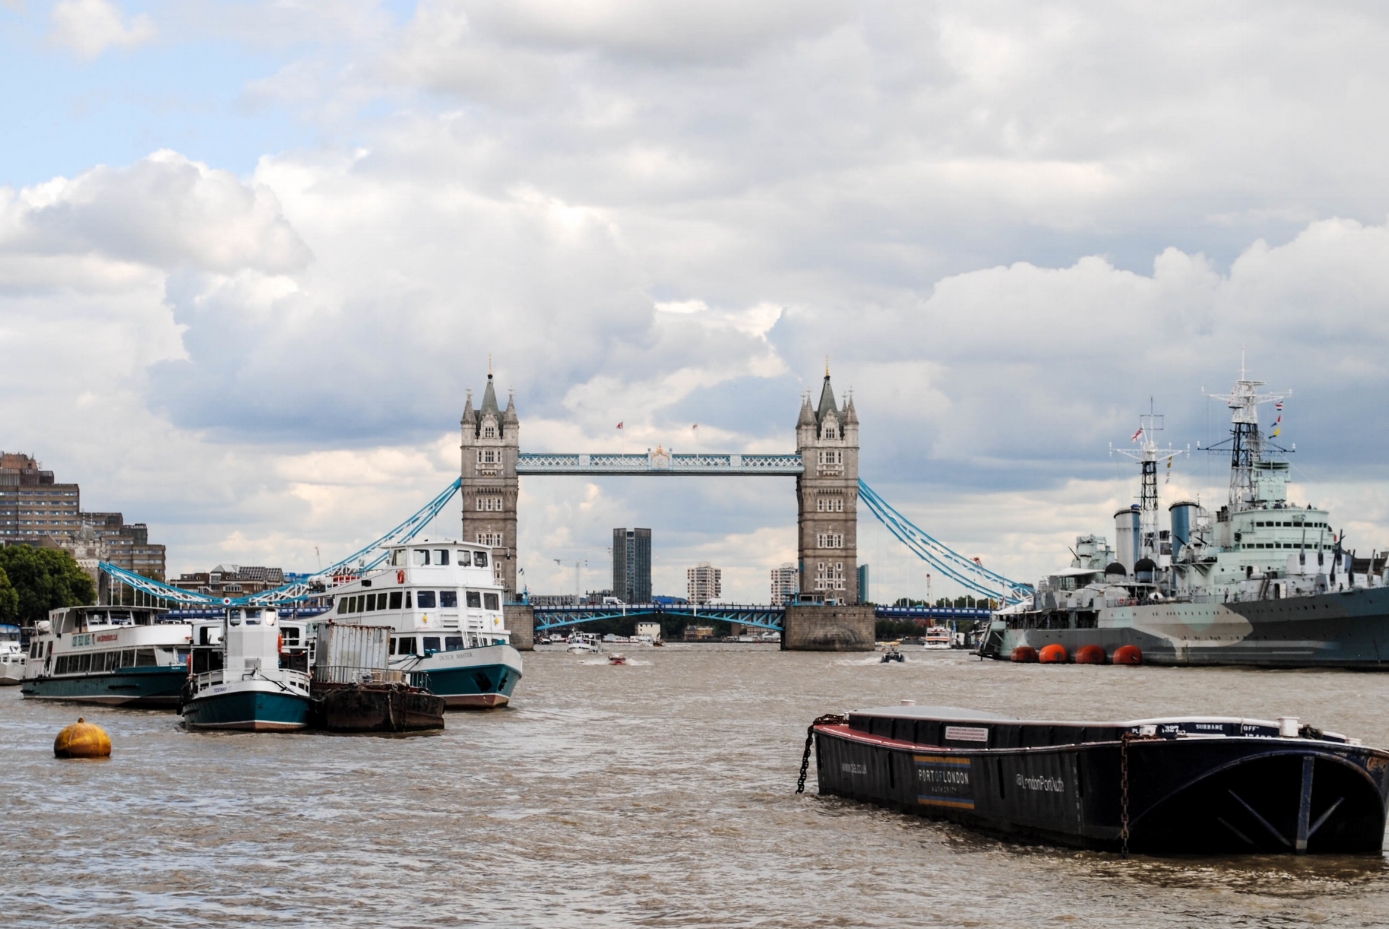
{"x":1201,"y":796}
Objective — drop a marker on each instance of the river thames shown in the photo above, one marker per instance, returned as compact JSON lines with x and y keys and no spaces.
{"x":657,"y":794}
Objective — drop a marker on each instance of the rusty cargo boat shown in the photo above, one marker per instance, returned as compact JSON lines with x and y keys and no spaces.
{"x":1188,"y":785}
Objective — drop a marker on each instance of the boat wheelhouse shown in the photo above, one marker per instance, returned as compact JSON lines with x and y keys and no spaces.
{"x":443,"y":603}
{"x":12,"y":656}
{"x":247,"y":689}
{"x":114,"y":655}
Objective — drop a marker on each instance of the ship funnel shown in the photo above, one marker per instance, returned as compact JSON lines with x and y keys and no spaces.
{"x":1183,"y":518}
{"x":1126,"y":531}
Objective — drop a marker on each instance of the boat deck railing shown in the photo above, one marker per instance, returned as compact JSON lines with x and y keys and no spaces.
{"x":346,"y":674}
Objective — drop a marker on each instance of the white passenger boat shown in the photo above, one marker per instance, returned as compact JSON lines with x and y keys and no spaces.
{"x":584,"y":643}
{"x":444,"y":605}
{"x":124,"y":656}
{"x":938,"y":637}
{"x":11,"y":656}
{"x":249,"y":691}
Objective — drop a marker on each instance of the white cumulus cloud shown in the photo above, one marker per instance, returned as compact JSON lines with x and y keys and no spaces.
{"x":89,"y":27}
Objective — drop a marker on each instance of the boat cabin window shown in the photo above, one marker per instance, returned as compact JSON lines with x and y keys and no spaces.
{"x":480,"y":559}
{"x":342,"y":606}
{"x":406,"y":646}
{"x":491,"y":601}
{"x":144,"y":658}
{"x":395,"y":599}
{"x":253,"y":617}
{"x":234,"y":617}
{"x":465,"y":558}
{"x":426,"y":599}
{"x":419,"y":556}
{"x":398,"y":558}
{"x":431,"y":644}
{"x":474,"y":600}
{"x":370,"y":603}
{"x":448,"y":599}
{"x":291,"y":634}
{"x":453,"y":643}
{"x":407,"y":599}
{"x":441,"y":556}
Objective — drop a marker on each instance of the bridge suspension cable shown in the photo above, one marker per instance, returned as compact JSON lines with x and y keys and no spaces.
{"x":964,"y":571}
{"x":364,"y":559}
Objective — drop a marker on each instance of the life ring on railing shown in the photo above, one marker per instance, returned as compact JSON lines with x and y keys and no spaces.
{"x":400,"y":576}
{"x":280,"y":644}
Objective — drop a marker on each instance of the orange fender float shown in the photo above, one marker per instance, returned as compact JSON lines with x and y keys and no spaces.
{"x":1089,"y":654}
{"x":1024,"y":653}
{"x":1128,"y":654}
{"x":1055,"y":653}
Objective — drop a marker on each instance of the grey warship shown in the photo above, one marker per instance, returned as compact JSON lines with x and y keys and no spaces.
{"x":1263,"y":581}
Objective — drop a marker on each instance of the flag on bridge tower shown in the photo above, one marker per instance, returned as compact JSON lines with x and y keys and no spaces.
{"x":619,"y":425}
{"x":1137,"y":435}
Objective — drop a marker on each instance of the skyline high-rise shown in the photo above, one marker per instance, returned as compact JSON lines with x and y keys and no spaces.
{"x":632,"y":565}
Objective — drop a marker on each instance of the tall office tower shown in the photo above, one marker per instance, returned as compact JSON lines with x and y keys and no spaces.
{"x":632,"y":565}
{"x":785,"y":584}
{"x":703,"y":583}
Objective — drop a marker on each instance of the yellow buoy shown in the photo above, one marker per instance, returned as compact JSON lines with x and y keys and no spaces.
{"x":82,"y":740}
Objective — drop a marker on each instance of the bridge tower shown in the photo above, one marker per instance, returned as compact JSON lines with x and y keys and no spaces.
{"x":491,"y":443}
{"x":827,"y":497}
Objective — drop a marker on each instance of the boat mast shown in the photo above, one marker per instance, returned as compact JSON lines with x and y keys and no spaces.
{"x":1147,"y":455}
{"x":1246,"y":441}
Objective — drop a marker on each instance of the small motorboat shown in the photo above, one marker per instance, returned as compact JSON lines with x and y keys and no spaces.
{"x":938,"y":637}
{"x":891,"y":655}
{"x":617,"y":658}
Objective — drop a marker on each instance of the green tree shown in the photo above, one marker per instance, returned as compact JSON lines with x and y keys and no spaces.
{"x":44,"y":579}
{"x":9,"y":599}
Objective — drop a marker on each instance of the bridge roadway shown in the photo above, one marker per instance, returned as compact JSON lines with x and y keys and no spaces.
{"x":759,"y":616}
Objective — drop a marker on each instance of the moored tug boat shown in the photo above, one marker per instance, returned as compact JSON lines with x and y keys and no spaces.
{"x":248,"y":690}
{"x":444,"y":606}
{"x":1188,"y":785}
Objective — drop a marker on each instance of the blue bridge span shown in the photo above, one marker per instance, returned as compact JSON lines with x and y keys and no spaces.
{"x":550,"y":618}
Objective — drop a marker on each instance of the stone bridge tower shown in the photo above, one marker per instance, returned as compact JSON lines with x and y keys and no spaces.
{"x":491,"y":442}
{"x":827,"y":497}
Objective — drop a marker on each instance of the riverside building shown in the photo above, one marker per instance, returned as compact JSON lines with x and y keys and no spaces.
{"x":703,"y":583}
{"x":37,"y":510}
{"x":785,"y":584}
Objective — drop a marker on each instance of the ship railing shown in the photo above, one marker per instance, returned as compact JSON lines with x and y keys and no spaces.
{"x":345,"y":674}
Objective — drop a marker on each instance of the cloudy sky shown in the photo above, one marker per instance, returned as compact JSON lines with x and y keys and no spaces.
{"x":252,"y":255}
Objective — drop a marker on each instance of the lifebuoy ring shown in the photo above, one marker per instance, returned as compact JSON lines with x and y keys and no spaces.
{"x":280,"y":645}
{"x":400,"y":576}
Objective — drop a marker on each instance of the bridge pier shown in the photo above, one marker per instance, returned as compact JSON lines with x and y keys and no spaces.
{"x":814,"y":628}
{"x":520,"y":622}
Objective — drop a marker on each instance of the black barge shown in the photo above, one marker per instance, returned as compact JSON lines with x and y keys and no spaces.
{"x":1190,"y":785}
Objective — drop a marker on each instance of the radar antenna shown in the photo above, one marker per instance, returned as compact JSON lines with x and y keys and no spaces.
{"x":1247,"y":444}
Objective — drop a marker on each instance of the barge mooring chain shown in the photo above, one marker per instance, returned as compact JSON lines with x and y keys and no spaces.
{"x":829,"y":719}
{"x":1124,"y":792}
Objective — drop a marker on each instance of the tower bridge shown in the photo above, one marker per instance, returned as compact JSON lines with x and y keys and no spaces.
{"x":825,"y":465}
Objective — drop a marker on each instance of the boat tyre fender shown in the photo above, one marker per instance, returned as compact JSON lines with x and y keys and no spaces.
{"x":829,"y":719}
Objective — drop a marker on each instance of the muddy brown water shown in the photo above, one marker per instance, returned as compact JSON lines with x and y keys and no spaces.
{"x":656,"y":794}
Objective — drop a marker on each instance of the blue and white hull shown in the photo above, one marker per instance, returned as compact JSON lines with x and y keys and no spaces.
{"x":255,"y":705}
{"x":471,"y":678}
